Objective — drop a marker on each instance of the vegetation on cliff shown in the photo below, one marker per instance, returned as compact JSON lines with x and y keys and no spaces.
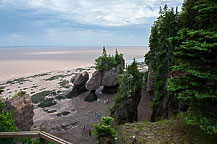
{"x":162,"y":132}
{"x":161,"y":51}
{"x":182,"y":61}
{"x":195,"y":63}
{"x":7,"y":123}
{"x":128,"y":95}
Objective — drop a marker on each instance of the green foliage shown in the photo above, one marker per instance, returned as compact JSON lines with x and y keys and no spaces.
{"x":106,"y":62}
{"x":21,"y":93}
{"x":130,"y":82}
{"x":124,"y":88}
{"x":104,"y":130}
{"x":7,"y":123}
{"x":161,"y":51}
{"x":111,"y":109}
{"x":195,"y":60}
{"x":30,"y":141}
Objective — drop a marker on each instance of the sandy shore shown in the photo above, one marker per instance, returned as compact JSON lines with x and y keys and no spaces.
{"x":80,"y":113}
{"x":68,"y":117}
{"x":20,"y":62}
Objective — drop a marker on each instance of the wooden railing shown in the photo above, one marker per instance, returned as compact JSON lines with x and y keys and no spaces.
{"x":44,"y":136}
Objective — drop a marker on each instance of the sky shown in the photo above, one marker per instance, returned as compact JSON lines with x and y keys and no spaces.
{"x":78,"y":22}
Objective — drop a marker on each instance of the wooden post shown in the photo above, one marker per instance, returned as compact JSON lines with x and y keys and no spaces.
{"x":43,"y":141}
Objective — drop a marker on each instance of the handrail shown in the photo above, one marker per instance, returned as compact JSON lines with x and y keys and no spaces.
{"x":44,"y":136}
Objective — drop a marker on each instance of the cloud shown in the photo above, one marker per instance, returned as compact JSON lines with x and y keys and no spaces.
{"x":93,"y":12}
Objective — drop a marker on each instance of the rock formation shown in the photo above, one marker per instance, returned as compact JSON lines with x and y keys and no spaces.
{"x":167,"y":106}
{"x":78,"y":81}
{"x":95,"y":81}
{"x":127,"y":112}
{"x":92,"y":85}
{"x":22,"y":107}
{"x":110,"y":79}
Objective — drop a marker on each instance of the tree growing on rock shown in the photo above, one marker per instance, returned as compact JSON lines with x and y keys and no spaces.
{"x":128,"y":95}
{"x":106,"y":62}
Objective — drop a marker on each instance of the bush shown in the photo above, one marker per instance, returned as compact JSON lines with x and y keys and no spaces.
{"x":104,"y":130}
{"x":106,"y":62}
{"x":7,"y":123}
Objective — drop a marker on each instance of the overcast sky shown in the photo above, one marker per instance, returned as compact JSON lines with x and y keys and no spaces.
{"x":78,"y":22}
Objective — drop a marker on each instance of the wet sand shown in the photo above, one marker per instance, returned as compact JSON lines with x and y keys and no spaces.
{"x":69,"y":127}
{"x":19,"y":62}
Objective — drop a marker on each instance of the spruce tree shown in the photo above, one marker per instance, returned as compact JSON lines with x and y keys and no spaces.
{"x":195,"y":57}
{"x":159,"y":56}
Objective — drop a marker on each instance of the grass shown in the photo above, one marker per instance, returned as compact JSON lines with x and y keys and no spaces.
{"x":39,"y":97}
{"x":22,"y":93}
{"x":163,"y":132}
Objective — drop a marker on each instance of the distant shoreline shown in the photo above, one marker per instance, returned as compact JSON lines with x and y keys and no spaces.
{"x":26,"y":61}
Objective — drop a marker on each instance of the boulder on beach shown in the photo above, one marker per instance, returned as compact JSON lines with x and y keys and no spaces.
{"x":95,"y":81}
{"x":80,"y":78}
{"x":79,"y":81}
{"x":22,"y":107}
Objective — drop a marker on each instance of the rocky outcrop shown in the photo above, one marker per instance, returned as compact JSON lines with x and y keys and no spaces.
{"x":144,"y":107}
{"x":95,"y":81}
{"x":79,"y":81}
{"x":80,"y":78}
{"x":22,"y":107}
{"x":127,"y":111}
{"x":92,"y":85}
{"x":91,"y":96}
{"x":167,"y":106}
{"x":110,"y":77}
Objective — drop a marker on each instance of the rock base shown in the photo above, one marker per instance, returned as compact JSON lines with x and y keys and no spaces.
{"x":76,"y":91}
{"x":110,"y":89}
{"x":91,"y":96}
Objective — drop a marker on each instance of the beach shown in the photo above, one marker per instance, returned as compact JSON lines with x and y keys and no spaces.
{"x":38,"y":71}
{"x":19,"y":62}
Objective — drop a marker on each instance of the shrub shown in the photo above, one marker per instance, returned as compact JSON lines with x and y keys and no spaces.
{"x":104,"y":130}
{"x":106,"y":62}
{"x":7,"y":123}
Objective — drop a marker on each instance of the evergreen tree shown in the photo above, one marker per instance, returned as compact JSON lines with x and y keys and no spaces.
{"x":159,"y":56}
{"x":195,"y":57}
